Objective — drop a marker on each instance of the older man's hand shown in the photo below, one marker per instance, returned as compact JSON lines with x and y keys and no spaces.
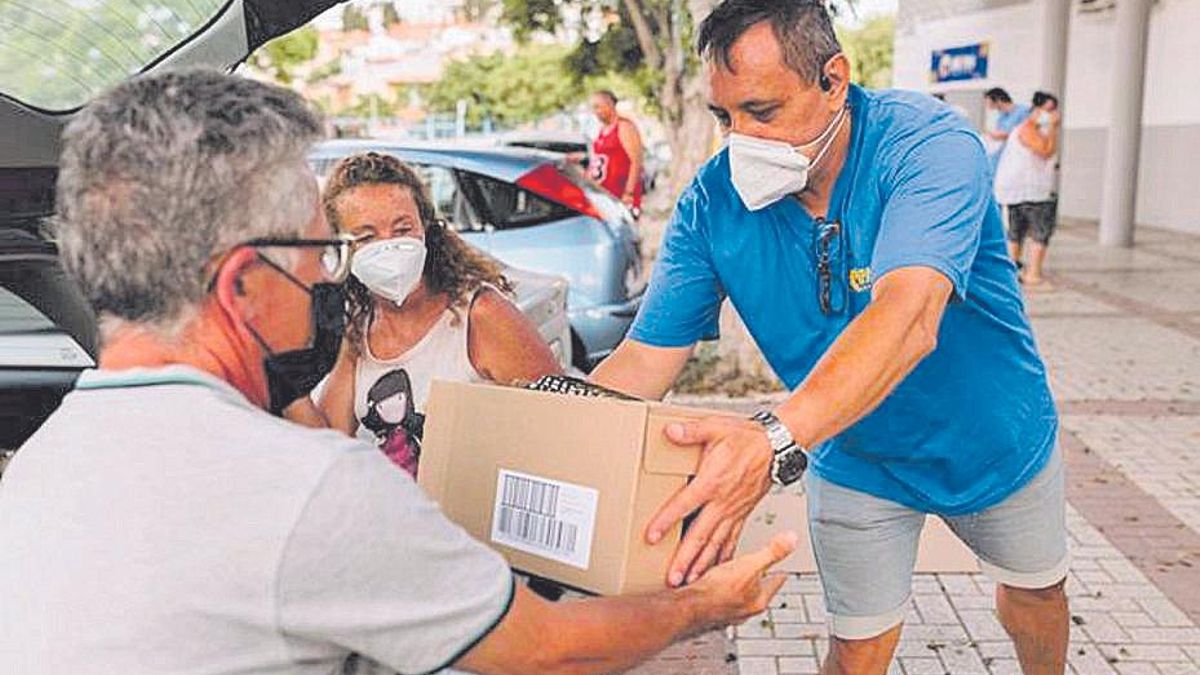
{"x":734,"y":474}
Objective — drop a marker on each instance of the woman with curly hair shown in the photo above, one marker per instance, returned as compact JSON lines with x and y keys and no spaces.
{"x":424,"y":305}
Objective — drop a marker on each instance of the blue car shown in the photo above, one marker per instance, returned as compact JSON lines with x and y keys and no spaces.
{"x":532,"y":210}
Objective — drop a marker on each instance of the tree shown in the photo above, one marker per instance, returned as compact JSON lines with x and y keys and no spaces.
{"x":353,"y":18}
{"x":390,"y":15}
{"x":510,"y":89}
{"x":476,"y":10}
{"x":280,"y":56}
{"x":869,"y":49}
{"x":652,"y":40}
{"x":370,"y":105}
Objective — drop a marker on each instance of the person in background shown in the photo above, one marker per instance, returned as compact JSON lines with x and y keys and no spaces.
{"x":163,"y":520}
{"x":423,"y":304}
{"x":1004,"y":116}
{"x":1025,"y":183}
{"x":616,"y":160}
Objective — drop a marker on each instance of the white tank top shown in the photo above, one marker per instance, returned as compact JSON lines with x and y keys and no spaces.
{"x":387,"y":392}
{"x":1021,"y":175}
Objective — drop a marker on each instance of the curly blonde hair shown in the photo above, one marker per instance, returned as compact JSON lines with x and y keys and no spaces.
{"x":451,"y":265}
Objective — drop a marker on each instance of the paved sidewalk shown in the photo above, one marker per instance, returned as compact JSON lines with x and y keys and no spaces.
{"x":1121,"y":336}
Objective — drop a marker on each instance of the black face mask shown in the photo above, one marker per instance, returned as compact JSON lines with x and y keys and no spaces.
{"x":291,"y":375}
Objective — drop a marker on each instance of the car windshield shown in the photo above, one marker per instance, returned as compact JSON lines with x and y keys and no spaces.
{"x":57,"y":54}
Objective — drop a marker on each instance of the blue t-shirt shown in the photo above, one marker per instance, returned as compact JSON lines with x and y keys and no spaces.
{"x":975,"y":420}
{"x":1012,"y":119}
{"x":1006,"y":122}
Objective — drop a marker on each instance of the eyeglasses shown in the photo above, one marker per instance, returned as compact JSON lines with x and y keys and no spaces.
{"x":827,"y":236}
{"x":335,"y":258}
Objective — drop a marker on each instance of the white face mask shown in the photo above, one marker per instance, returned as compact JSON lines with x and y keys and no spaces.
{"x":763,"y":171}
{"x":391,"y":268}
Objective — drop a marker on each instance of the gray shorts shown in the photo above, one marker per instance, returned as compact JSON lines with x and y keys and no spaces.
{"x":866,"y":547}
{"x":1033,"y":219}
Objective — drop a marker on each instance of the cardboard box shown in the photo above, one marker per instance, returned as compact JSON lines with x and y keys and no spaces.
{"x":563,"y":486}
{"x":604,"y":468}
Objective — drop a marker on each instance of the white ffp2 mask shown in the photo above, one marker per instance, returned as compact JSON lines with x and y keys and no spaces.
{"x":765,"y":171}
{"x":390,"y":268}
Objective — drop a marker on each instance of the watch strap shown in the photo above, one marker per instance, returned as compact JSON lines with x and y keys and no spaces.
{"x":777,"y":433}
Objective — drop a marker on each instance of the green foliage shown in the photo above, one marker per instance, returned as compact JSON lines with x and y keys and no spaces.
{"x":354,"y":18}
{"x":617,"y":50}
{"x":477,"y":10}
{"x":390,"y":15}
{"x":510,"y":89}
{"x":330,"y":69}
{"x":527,"y":17}
{"x":370,"y":105}
{"x":869,"y":49}
{"x":616,"y":53}
{"x":280,"y":56}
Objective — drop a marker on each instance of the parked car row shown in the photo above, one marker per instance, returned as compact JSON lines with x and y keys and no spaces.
{"x":655,"y":157}
{"x":534,"y":211}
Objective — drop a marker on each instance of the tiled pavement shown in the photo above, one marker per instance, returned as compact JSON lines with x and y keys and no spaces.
{"x":1121,"y":336}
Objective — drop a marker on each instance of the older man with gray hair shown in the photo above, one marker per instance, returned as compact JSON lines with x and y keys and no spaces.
{"x":162,"y":522}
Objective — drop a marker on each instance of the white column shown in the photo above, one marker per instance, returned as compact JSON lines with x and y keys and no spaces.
{"x":1056,"y":16}
{"x":1119,"y":190}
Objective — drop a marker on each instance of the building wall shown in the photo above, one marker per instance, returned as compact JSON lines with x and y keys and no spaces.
{"x":1013,"y":39}
{"x":1167,"y":194}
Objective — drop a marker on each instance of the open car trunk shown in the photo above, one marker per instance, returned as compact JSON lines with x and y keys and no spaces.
{"x":54,"y":58}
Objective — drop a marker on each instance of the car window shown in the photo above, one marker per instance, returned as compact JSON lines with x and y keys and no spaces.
{"x":563,"y":147}
{"x":442,"y":188}
{"x":448,"y":200}
{"x":57,"y":55}
{"x":509,"y":206}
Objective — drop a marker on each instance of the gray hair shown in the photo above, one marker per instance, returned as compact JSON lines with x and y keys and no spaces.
{"x":167,"y":171}
{"x":802,"y":27}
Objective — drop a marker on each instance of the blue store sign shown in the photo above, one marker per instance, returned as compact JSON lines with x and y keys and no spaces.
{"x":959,"y":63}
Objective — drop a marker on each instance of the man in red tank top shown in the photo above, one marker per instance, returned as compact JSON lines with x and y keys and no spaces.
{"x":616,"y":162}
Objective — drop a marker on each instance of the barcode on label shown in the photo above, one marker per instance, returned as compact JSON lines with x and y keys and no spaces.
{"x":545,"y":517}
{"x":529,"y":495}
{"x":539,"y":530}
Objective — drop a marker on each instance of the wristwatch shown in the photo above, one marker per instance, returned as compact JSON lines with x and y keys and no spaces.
{"x":790,"y":459}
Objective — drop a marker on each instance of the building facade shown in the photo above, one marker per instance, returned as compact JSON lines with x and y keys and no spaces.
{"x":963,"y":47}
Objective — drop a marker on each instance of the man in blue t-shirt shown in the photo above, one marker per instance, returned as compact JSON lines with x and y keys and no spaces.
{"x":1008,"y":116}
{"x":856,"y":235}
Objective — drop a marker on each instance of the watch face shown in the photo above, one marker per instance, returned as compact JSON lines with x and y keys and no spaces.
{"x":790,"y":465}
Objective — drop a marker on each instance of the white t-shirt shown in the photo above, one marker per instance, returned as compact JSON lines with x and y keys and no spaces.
{"x":160,"y":523}
{"x":389,"y":392}
{"x":1023,"y":176}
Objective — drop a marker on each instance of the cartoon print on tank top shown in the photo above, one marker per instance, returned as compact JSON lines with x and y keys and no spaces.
{"x":393,"y":419}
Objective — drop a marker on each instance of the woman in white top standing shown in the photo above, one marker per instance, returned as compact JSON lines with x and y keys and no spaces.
{"x":423,"y":305}
{"x":1025,"y":183}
